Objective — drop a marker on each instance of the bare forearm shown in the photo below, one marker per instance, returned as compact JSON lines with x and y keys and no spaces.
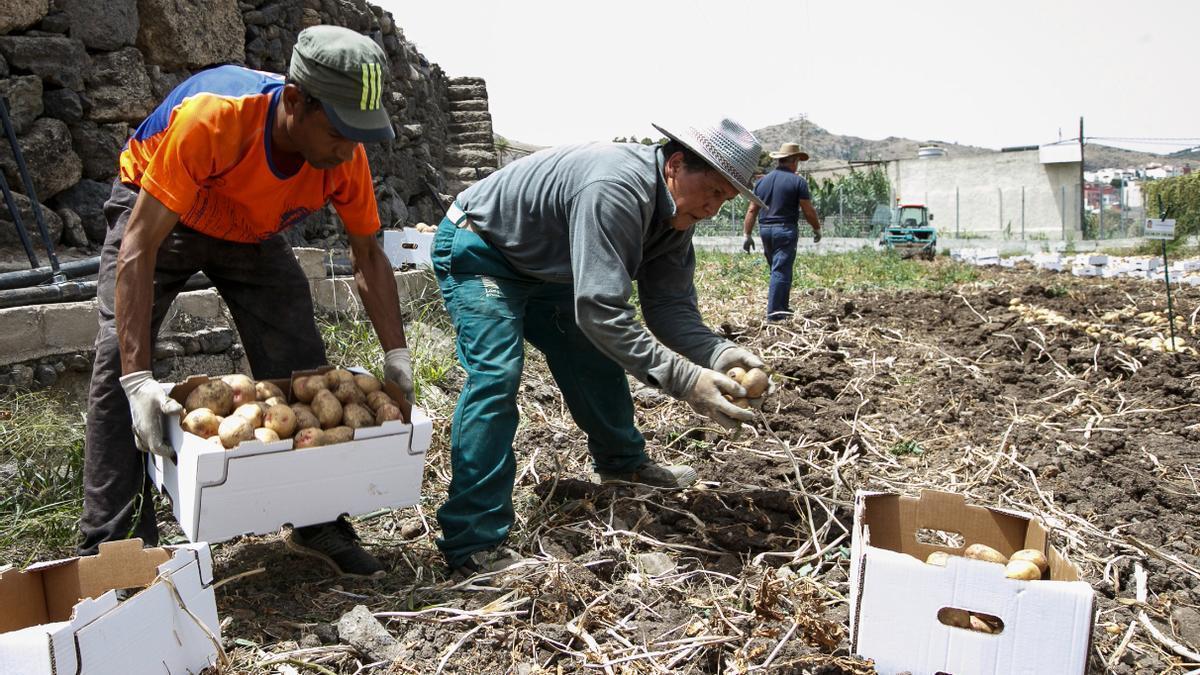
{"x":377,"y":288}
{"x":810,"y":214}
{"x":751,"y":217}
{"x":134,"y":304}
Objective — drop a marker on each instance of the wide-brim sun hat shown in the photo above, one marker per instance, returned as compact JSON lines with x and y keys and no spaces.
{"x":345,"y":71}
{"x":726,"y":146}
{"x":789,"y":150}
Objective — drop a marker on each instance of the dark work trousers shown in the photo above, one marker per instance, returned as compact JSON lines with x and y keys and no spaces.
{"x":269,"y":300}
{"x":779,"y":247}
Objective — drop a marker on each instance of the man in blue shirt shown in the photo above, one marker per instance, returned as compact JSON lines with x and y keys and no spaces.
{"x":786,"y":195}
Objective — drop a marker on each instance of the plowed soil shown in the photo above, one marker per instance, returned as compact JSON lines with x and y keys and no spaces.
{"x":958,"y":390}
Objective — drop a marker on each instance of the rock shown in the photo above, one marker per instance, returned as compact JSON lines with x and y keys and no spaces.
{"x":191,"y":35}
{"x":99,"y":148}
{"x":1187,"y":625}
{"x":412,"y":528}
{"x":72,"y":233}
{"x":45,"y":375}
{"x":161,"y":82}
{"x":78,"y":363}
{"x":62,"y":104}
{"x":119,"y":87}
{"x":216,"y":341}
{"x":57,"y":60}
{"x":21,"y":376}
{"x":86,"y":198}
{"x":52,"y":163}
{"x":166,"y":349}
{"x":24,"y":94}
{"x":21,"y":14}
{"x":103,"y":26}
{"x":55,"y":23}
{"x":359,"y":629}
{"x":8,"y":231}
{"x":654,"y":564}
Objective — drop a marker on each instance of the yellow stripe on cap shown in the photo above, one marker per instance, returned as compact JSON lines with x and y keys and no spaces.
{"x":366,"y":85}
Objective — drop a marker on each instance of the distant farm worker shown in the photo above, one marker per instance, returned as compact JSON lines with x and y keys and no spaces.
{"x":230,"y":159}
{"x":547,"y":250}
{"x":786,"y":196}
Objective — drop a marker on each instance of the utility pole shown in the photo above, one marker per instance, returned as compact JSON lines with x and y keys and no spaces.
{"x":1082,"y":192}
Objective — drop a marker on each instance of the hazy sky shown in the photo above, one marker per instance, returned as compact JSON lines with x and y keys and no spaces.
{"x":994,"y":75}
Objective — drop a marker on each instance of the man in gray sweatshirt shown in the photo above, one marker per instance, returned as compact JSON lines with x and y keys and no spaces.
{"x":547,"y":250}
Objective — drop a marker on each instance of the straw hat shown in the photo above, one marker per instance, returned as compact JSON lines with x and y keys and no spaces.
{"x":727,"y":147}
{"x":790,"y":150}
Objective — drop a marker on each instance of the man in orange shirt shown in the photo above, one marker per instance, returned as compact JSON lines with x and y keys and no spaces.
{"x":207,"y":183}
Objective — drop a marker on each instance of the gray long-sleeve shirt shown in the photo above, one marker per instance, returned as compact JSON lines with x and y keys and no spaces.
{"x":596,"y":216}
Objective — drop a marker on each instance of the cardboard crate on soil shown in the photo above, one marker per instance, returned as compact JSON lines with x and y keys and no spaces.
{"x":256,"y":488}
{"x":901,"y":609}
{"x":67,"y":616}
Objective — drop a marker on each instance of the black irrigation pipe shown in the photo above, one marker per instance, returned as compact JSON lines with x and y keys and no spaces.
{"x":33,"y":277}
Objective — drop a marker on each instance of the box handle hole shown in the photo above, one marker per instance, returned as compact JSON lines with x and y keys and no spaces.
{"x":974,"y":621}
{"x":944,"y":538}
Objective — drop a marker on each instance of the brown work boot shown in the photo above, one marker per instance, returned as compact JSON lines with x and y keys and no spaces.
{"x":674,"y":477}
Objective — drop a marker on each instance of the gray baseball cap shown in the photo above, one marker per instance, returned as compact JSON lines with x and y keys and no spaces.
{"x":345,"y":71}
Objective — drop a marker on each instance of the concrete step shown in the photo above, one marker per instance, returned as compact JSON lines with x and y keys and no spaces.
{"x":463,"y":116}
{"x":469,"y":104}
{"x":466,"y":92}
{"x":470,"y":157}
{"x":472,"y":138}
{"x":469,"y":127}
{"x":468,"y":173}
{"x":467,"y":80}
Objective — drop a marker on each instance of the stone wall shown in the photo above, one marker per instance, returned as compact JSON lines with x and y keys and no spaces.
{"x":42,"y":343}
{"x":80,"y":74}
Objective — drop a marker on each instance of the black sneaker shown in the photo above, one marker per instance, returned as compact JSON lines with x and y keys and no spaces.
{"x":337,"y":545}
{"x":655,"y":475}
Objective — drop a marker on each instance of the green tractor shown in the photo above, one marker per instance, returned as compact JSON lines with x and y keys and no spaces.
{"x":911,"y":233}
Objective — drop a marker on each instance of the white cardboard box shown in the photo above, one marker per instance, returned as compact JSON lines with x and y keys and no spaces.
{"x":408,"y":247}
{"x":256,"y":488}
{"x":895,"y":597}
{"x":64,"y":617}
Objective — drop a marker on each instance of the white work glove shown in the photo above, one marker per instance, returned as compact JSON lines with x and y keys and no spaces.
{"x":148,"y":403}
{"x":707,"y":397}
{"x":748,"y":244}
{"x":736,"y":356}
{"x":397,"y":369}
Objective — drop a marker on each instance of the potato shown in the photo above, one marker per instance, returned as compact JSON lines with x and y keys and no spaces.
{"x":309,"y":438}
{"x":275,"y":400}
{"x":736,"y":374}
{"x":338,"y":435}
{"x":939,"y":558}
{"x":337,"y":376}
{"x":251,"y":412}
{"x":378,"y":398}
{"x":306,"y":388}
{"x":214,"y":395}
{"x":266,"y":435}
{"x":265,"y":390}
{"x":756,"y":382}
{"x":1034,"y":556}
{"x":739,"y":402}
{"x":243,"y":388}
{"x":387,"y":412}
{"x":263,"y":406}
{"x":348,"y":392}
{"x":356,"y":415}
{"x":986,"y":553}
{"x":201,"y":422}
{"x":959,"y":618}
{"x":234,"y":430}
{"x":367,"y":383}
{"x":282,"y":420}
{"x":978,"y":623}
{"x":327,"y":409}
{"x":305,"y":417}
{"x":1022,"y":569}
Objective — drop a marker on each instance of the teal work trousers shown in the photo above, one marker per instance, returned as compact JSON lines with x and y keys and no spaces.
{"x":495,"y":309}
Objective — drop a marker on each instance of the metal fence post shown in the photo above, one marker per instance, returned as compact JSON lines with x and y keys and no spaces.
{"x":956,"y":212}
{"x":1022,"y":213}
{"x":1062,"y":209}
{"x":1000,"y":203}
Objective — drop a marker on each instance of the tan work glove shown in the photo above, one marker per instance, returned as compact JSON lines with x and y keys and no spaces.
{"x":707,"y":397}
{"x":147,"y":404}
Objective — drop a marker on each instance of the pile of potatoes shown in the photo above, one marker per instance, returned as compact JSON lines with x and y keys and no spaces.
{"x":327,"y":408}
{"x":1028,"y":564}
{"x":755,"y":381}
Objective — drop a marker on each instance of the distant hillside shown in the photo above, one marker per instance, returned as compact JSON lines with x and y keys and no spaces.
{"x":827,"y":149}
